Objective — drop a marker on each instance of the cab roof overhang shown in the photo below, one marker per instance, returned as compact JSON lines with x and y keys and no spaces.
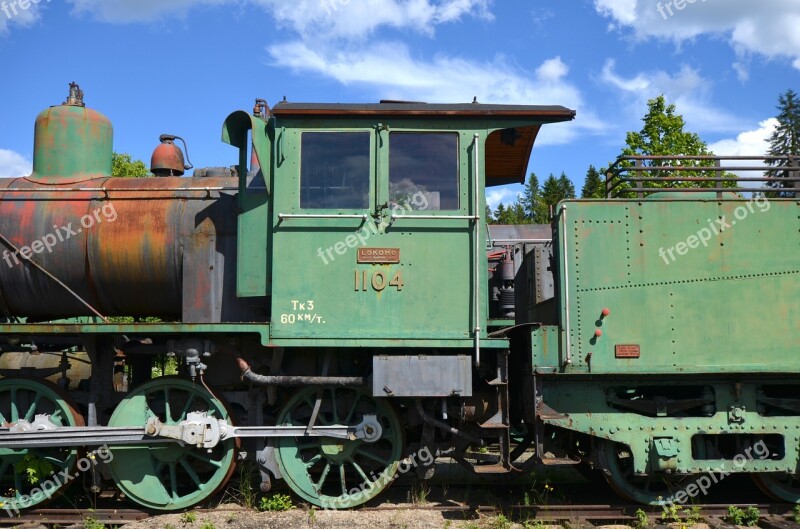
{"x":508,"y":150}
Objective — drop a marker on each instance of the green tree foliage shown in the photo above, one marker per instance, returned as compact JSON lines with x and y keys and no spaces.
{"x":513,"y":214}
{"x":532,"y":199}
{"x":124,"y":165}
{"x":594,"y":186}
{"x":489,"y":216}
{"x":554,"y":191}
{"x":785,"y":140}
{"x":663,"y":134}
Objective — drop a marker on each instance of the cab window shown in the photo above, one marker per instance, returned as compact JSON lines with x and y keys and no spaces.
{"x":335,"y":170}
{"x":425,"y":165}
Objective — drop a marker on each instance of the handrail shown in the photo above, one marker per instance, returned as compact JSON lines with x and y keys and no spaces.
{"x":285,"y":216}
{"x":617,"y":175}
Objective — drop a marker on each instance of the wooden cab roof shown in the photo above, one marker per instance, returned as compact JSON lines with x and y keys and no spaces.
{"x":508,"y":149}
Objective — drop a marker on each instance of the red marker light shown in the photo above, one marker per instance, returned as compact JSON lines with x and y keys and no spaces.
{"x":606,"y":312}
{"x":598,"y":333}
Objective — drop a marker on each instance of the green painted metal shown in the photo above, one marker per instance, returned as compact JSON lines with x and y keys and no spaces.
{"x":730,"y":304}
{"x":432,"y":298}
{"x":23,"y":399}
{"x":319,"y":264}
{"x":586,"y":408}
{"x":169,"y":476}
{"x":253,"y":254}
{"x":72,"y":144}
{"x":332,"y":473}
{"x":260,"y":329}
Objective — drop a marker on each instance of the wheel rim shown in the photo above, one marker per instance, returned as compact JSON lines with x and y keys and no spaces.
{"x":616,"y":460}
{"x":779,"y":485}
{"x":169,"y":476}
{"x":23,"y":399}
{"x":333,"y":473}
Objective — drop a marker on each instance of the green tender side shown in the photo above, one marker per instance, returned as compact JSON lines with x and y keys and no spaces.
{"x":703,"y":294}
{"x":693,"y":296}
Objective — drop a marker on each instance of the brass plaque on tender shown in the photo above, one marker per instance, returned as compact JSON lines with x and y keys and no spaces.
{"x":378,"y":255}
{"x":627,"y":351}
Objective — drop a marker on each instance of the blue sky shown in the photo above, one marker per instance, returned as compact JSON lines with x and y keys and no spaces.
{"x":181,"y":66}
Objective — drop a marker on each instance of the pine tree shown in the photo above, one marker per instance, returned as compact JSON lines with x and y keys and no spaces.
{"x":594,"y":186}
{"x":554,"y":191}
{"x":565,"y":186}
{"x":531,"y":199}
{"x":489,"y":216}
{"x":500,"y":213}
{"x":785,"y":140}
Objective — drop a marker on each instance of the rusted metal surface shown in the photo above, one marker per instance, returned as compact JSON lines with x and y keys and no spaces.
{"x":72,"y":143}
{"x":122,"y":249}
{"x":167,"y":160}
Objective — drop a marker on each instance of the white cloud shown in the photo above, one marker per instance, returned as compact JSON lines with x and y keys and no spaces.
{"x":351,"y":19}
{"x":123,"y":11}
{"x":766,"y":27}
{"x":689,"y":91}
{"x":13,"y":15}
{"x":13,"y":165}
{"x":443,"y":79}
{"x":748,"y":143}
{"x":503,"y":194}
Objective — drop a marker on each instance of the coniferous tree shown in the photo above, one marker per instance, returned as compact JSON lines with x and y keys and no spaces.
{"x":554,"y":191}
{"x":531,"y":199}
{"x":594,"y":186}
{"x":785,"y":140}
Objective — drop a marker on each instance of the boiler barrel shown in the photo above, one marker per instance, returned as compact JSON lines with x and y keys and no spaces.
{"x":119,"y":243}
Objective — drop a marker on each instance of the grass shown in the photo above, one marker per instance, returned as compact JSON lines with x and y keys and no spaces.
{"x":418,"y":495}
{"x":499,"y":522}
{"x":276,"y":503}
{"x":641,"y":520}
{"x":188,"y":517}
{"x":208,"y":525}
{"x":747,"y":517}
{"x":91,"y":523}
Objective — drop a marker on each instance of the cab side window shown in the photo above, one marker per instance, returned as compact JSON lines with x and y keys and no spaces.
{"x":335,"y":170}
{"x":424,"y":163}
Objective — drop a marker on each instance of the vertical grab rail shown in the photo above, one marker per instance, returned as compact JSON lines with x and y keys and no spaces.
{"x":477,"y":220}
{"x":565,"y":266}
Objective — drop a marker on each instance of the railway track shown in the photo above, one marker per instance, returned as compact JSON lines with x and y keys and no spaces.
{"x":772,"y":516}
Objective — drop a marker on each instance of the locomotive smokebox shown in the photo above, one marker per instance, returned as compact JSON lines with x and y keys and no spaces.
{"x":72,"y":143}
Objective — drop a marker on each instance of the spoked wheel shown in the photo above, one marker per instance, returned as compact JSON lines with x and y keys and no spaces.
{"x":616,"y":460}
{"x":334,"y":473}
{"x":169,"y":476}
{"x":778,"y":485}
{"x":31,"y":476}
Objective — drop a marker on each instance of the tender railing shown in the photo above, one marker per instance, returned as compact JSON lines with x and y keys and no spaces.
{"x":639,"y":176}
